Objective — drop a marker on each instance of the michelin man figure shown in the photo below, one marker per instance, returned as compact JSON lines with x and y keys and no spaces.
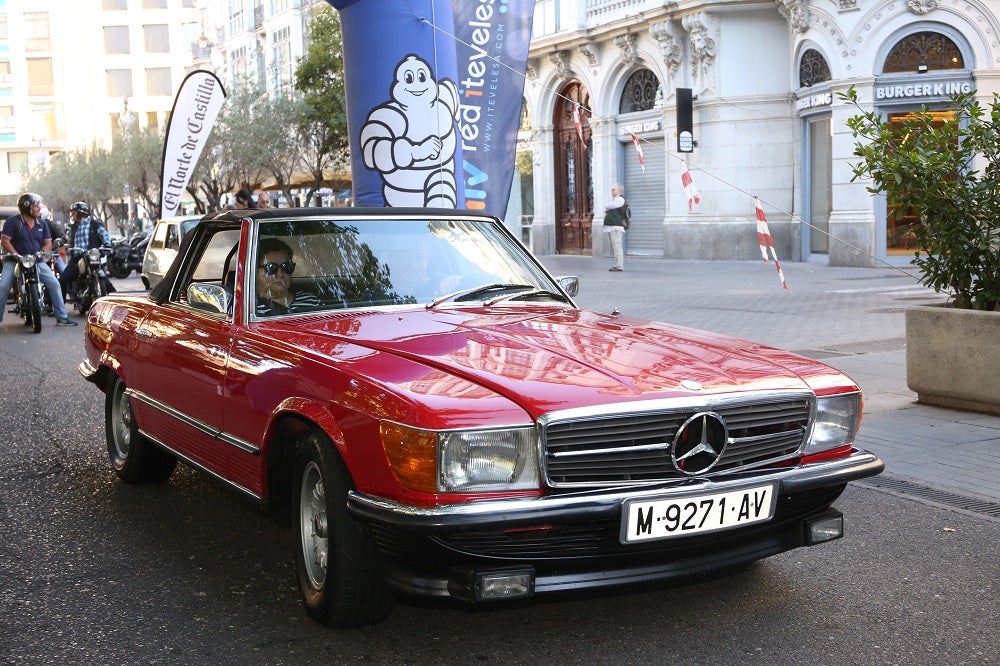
{"x":411,"y":139}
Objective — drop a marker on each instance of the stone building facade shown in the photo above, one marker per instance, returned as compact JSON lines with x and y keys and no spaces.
{"x":765,"y":79}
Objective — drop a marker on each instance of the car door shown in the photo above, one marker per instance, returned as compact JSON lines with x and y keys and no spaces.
{"x":183,"y":361}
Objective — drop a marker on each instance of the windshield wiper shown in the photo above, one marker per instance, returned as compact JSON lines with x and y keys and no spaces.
{"x":526,"y":295}
{"x":469,"y":294}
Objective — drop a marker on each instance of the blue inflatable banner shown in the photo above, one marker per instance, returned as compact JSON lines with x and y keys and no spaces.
{"x":424,"y":82}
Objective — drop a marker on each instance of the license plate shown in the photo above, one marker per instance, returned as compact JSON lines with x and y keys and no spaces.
{"x":648,"y":519}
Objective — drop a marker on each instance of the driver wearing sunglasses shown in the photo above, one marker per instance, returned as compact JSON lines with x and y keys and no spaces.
{"x":275,"y":295}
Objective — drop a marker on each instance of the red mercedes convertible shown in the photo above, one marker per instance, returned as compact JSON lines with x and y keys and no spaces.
{"x":440,"y":420}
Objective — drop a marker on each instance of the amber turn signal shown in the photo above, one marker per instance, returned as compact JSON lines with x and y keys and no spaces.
{"x":412,"y":455}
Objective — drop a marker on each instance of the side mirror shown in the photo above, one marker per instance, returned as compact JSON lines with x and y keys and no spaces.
{"x":210,"y":297}
{"x":570,"y":284}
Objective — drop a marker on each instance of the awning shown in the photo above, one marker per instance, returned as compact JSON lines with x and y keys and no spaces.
{"x":336,"y":180}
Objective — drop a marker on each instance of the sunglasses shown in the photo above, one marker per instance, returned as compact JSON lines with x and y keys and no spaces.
{"x":271,"y":268}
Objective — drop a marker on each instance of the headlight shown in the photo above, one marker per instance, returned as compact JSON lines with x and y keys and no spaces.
{"x":28,"y":260}
{"x":94,"y":254}
{"x":462,"y":461}
{"x":488,"y":460}
{"x":836,"y":423}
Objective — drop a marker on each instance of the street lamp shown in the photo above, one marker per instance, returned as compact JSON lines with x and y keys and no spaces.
{"x":125,"y":121}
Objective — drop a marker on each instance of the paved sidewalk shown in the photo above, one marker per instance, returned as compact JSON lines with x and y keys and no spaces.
{"x":850,"y":318}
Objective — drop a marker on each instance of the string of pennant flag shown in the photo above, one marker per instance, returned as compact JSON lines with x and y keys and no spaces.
{"x":693,"y":197}
{"x":691,"y":192}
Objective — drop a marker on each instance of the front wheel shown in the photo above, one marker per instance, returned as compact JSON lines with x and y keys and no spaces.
{"x":335,"y":558}
{"x":134,"y":458}
{"x":34,"y":308}
{"x":118,"y":268}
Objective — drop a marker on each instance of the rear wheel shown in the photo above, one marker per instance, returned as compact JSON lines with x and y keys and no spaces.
{"x":134,"y":458}
{"x":118,"y":268}
{"x":335,"y":558}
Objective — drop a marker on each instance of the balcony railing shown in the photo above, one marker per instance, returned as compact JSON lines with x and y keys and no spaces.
{"x":598,"y":10}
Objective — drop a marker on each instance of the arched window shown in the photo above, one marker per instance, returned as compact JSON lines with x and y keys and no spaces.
{"x":813,"y":68}
{"x":642,"y":92}
{"x":923,"y":51}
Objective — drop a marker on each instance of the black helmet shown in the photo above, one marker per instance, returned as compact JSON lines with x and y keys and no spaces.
{"x":80,"y":207}
{"x":26,"y":201}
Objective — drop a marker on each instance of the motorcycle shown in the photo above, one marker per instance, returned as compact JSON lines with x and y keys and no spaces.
{"x":91,"y":281}
{"x":51,"y":258}
{"x":27,"y":294}
{"x":126,"y":255}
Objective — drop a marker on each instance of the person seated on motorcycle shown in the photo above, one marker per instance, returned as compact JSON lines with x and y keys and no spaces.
{"x":26,"y":233}
{"x":85,"y":233}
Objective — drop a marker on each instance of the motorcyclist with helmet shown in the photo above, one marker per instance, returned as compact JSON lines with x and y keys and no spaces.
{"x":85,"y":233}
{"x":27,"y":233}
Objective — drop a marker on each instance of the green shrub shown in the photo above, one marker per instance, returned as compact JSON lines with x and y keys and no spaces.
{"x":927,"y":164}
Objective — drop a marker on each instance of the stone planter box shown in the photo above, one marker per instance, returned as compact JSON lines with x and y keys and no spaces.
{"x":953,"y":357}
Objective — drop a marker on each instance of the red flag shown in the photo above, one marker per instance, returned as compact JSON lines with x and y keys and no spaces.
{"x":579,"y":126}
{"x":638,"y":151}
{"x":690,"y":191}
{"x":765,"y":240}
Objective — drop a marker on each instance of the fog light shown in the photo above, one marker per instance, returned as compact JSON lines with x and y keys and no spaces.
{"x":493,"y":585}
{"x":505,"y":585}
{"x":825,"y":528}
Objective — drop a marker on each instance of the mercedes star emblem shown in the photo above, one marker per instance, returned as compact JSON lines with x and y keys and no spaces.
{"x":699,"y":443}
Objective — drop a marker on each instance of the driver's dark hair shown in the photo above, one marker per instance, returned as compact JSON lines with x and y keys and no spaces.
{"x":272,"y":244}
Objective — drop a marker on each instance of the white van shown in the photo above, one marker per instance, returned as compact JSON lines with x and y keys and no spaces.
{"x":163,"y":247}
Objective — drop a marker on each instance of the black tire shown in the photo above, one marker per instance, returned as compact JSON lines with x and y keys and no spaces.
{"x":336,"y":561}
{"x":118,"y":270}
{"x":34,"y":308}
{"x":134,"y":458}
{"x":84,"y":302}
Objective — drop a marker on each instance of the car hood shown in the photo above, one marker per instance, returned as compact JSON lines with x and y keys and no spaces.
{"x":548,"y":358}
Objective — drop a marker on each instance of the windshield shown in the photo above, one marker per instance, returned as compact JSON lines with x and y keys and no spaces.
{"x":314,"y":264}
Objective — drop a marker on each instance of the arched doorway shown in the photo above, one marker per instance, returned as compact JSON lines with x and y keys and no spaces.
{"x":921,"y":70}
{"x":640,"y":113}
{"x":817,"y":176}
{"x":573,"y":189}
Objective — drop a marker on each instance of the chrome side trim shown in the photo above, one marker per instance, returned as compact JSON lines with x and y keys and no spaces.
{"x":87,"y":370}
{"x":226,"y":438}
{"x":602,"y":503}
{"x":201,"y":468}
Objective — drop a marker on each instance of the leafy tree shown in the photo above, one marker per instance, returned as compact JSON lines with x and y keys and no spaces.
{"x":210,"y":179}
{"x":948,"y":173}
{"x":319,"y":77}
{"x":276,"y":129}
{"x":140,"y":152}
{"x":87,"y":174}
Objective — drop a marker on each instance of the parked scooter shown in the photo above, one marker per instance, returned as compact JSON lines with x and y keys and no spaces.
{"x":27,"y":295}
{"x":91,"y":282}
{"x":126,"y":255}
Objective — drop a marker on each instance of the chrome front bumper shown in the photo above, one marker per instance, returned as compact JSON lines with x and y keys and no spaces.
{"x":594,"y":505}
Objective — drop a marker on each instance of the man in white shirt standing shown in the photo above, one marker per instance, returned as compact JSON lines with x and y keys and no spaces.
{"x":614,"y":225}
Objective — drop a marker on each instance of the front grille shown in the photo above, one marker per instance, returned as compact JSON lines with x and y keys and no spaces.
{"x":634,"y":447}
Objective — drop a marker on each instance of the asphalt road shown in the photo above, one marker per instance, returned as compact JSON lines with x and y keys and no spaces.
{"x":96,"y":572}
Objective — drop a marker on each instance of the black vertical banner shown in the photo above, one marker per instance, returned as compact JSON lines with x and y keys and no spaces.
{"x":685,"y":127}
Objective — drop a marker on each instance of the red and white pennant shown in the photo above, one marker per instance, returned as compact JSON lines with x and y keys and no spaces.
{"x":765,"y":240}
{"x":690,"y":191}
{"x":579,"y":125}
{"x":638,"y":151}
